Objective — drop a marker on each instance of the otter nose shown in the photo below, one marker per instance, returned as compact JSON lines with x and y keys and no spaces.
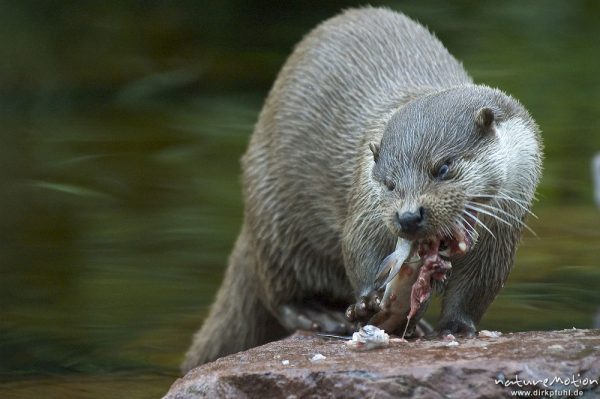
{"x":410,"y":222}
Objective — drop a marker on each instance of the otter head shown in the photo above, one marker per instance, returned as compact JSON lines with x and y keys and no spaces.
{"x":440,"y":161}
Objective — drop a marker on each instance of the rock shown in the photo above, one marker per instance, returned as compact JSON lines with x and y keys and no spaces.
{"x":490,"y":367}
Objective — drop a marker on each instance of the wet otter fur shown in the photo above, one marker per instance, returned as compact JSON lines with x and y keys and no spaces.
{"x":353,"y":134}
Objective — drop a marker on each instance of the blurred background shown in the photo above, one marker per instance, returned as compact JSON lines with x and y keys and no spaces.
{"x":122,"y":125}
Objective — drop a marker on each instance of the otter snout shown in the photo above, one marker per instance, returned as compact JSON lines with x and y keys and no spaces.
{"x":411,"y":222}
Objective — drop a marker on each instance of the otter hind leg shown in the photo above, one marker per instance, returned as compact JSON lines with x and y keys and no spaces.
{"x":237,"y":320}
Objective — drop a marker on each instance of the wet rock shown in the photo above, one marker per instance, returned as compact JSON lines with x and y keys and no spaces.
{"x":427,"y":368}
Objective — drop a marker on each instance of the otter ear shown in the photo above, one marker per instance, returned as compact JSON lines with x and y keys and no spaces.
{"x":375,"y":150}
{"x":484,"y":118}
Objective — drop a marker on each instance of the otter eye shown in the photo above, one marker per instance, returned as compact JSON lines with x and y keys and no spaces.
{"x":444,"y":170}
{"x":391,"y":185}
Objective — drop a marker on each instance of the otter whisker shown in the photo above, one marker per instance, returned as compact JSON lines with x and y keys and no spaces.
{"x":522,"y":223}
{"x":485,"y":212}
{"x":501,"y":196}
{"x":457,"y":225}
{"x":479,"y":221}
{"x":447,"y":231}
{"x":489,"y":213}
{"x":508,"y":197}
{"x":521,"y":204}
{"x":469,"y":230}
{"x":518,"y":194}
{"x":473,"y":192}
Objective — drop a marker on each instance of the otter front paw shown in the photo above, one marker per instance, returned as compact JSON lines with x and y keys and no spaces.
{"x":460,"y":327}
{"x":314,"y":317}
{"x":365,"y":308}
{"x":368,"y":311}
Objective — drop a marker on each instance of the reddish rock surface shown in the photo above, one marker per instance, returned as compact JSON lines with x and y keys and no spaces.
{"x":427,"y":368}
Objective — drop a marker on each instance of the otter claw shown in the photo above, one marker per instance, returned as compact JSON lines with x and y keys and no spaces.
{"x":364,"y":308}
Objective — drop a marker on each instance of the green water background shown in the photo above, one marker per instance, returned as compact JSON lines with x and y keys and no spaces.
{"x":122,"y":124}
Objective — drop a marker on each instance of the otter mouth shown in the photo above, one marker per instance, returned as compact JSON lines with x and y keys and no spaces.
{"x":460,"y":240}
{"x":463,"y":237}
{"x":408,"y":273}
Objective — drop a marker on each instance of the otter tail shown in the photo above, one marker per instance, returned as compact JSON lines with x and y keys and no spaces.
{"x":237,"y":320}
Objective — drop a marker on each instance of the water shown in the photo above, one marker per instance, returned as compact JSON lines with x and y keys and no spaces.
{"x":122,"y":127}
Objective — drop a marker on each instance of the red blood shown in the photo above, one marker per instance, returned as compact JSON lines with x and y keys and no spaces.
{"x":434,"y":267}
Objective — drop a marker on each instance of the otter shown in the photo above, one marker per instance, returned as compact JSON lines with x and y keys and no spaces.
{"x":372,"y":132}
